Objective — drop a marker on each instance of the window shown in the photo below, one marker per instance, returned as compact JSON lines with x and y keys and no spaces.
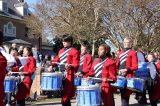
{"x":14,"y":30}
{"x":5,"y":7}
{"x":5,"y":28}
{"x":25,"y":11}
{"x":9,"y":29}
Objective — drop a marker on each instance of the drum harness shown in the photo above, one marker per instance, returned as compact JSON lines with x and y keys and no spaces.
{"x":63,"y":61}
{"x":123,"y":58}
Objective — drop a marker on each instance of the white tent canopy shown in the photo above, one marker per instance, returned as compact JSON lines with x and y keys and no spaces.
{"x":19,"y":41}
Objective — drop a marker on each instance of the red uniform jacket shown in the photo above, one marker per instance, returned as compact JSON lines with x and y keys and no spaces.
{"x":86,"y":64}
{"x":131,"y":65}
{"x":131,"y":62}
{"x":3,"y":71}
{"x":156,"y":89}
{"x":24,"y":87}
{"x":74,"y":59}
{"x":18,"y":64}
{"x":109,"y":72}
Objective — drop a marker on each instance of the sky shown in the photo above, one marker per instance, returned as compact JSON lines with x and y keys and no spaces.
{"x":30,"y":1}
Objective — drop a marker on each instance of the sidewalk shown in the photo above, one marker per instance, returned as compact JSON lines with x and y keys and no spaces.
{"x":133,"y":102}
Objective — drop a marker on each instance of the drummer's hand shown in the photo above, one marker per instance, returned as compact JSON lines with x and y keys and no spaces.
{"x":104,"y":79}
{"x":9,"y":73}
{"x":50,"y":68}
{"x":68,"y":66}
{"x":123,"y":70}
{"x":20,"y":73}
{"x":77,"y":74}
{"x":87,"y":79}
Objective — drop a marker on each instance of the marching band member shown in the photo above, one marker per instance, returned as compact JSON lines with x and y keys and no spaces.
{"x":127,"y":63}
{"x":14,"y":53}
{"x":156,"y":55}
{"x":104,"y":67}
{"x":70,"y":57}
{"x":152,"y":85}
{"x":141,"y":96}
{"x":85,"y":60}
{"x":3,"y":65}
{"x":156,"y":92}
{"x":14,"y":67}
{"x":24,"y":86}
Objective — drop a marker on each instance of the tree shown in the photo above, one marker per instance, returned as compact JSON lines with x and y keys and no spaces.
{"x":34,"y":26}
{"x":98,"y":20}
{"x":81,"y":18}
{"x":139,"y":19}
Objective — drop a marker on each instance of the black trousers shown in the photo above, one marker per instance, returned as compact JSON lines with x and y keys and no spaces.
{"x":152,"y":102}
{"x":124,"y":99}
{"x":21,"y":102}
{"x":68,"y":103}
{"x":141,"y":97}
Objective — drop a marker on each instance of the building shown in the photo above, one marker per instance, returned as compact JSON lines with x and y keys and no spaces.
{"x":12,"y":13}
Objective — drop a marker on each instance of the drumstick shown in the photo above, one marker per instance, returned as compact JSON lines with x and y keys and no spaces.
{"x":60,"y":63}
{"x":21,"y":67}
{"x":19,"y":72}
{"x":96,"y":78}
{"x":100,"y":79}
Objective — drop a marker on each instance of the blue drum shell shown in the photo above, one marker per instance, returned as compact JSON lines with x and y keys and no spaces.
{"x":77,"y":81}
{"x":85,"y":83}
{"x":51,"y":81}
{"x":143,"y":64}
{"x":135,"y":84}
{"x":120,"y":83}
{"x":143,"y":71}
{"x":56,"y":83}
{"x":9,"y":85}
{"x":88,"y":97}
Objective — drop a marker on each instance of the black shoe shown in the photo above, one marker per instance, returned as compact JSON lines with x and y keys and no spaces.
{"x":142,"y":102}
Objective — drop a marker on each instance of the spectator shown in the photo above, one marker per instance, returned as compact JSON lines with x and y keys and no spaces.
{"x":20,"y":51}
{"x":156,"y":56}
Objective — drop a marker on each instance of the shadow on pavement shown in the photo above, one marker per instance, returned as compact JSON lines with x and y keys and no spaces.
{"x":47,"y":104}
{"x":136,"y":104}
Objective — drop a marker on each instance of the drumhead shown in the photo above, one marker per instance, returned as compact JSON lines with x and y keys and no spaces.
{"x":53,"y":74}
{"x":121,"y":77}
{"x":140,"y":57}
{"x":10,"y":78}
{"x":91,"y":87}
{"x":152,"y":70}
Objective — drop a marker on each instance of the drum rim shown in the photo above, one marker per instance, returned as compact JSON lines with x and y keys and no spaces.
{"x":135,"y":90}
{"x":50,"y":89}
{"x":91,"y":87}
{"x":10,"y":78}
{"x":135,"y":79}
{"x":121,"y":77}
{"x":52,"y":74}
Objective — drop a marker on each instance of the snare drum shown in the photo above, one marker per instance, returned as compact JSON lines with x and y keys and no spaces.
{"x":77,"y":81}
{"x":135,"y":84}
{"x":51,"y":81}
{"x":9,"y":84}
{"x":143,"y":71}
{"x":88,"y":95}
{"x":85,"y":83}
{"x":121,"y":82}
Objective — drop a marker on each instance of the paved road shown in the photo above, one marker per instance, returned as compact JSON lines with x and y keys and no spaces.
{"x":133,"y":102}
